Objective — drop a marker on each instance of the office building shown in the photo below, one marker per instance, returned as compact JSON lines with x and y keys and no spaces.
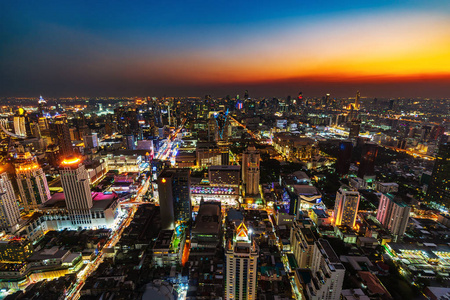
{"x":224,"y":175}
{"x":205,"y":233}
{"x":90,"y":141}
{"x":250,"y":170}
{"x":31,"y":181}
{"x":9,"y":210}
{"x":302,"y":244}
{"x":174,"y":188}
{"x":14,"y":249}
{"x":62,"y":132}
{"x":367,"y":162}
{"x":393,"y":214}
{"x":357,"y":100}
{"x":344,"y":157}
{"x":75,"y":182}
{"x":439,"y":188}
{"x":241,"y":256}
{"x":355,"y":126}
{"x":346,"y":206}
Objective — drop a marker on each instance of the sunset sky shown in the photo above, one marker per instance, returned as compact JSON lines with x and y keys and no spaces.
{"x":271,"y":48}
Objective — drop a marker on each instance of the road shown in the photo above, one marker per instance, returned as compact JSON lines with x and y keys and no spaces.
{"x":167,"y":151}
{"x":131,"y":207}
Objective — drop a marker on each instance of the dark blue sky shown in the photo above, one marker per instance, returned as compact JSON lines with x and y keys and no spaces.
{"x":64,"y":48}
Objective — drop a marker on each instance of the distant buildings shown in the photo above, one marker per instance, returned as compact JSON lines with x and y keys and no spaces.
{"x":346,"y":206}
{"x":174,"y":196}
{"x":251,"y":170}
{"x":9,"y":210}
{"x":62,"y":132}
{"x":439,"y":188}
{"x":241,"y":255}
{"x":368,"y":157}
{"x":393,"y":214}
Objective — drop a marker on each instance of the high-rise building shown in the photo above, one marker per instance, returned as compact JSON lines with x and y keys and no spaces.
{"x":174,"y":188}
{"x":355,"y":126}
{"x":90,"y":141}
{"x":302,"y":244}
{"x":20,"y":122}
{"x":224,"y":175}
{"x":77,"y":192}
{"x":9,"y":210}
{"x":344,"y":157}
{"x":439,"y":188}
{"x":31,"y":180}
{"x":250,"y":170}
{"x":241,"y":256}
{"x":393,"y":214}
{"x":368,"y":157}
{"x":346,"y":206}
{"x":326,"y":267}
{"x":357,"y":100}
{"x":62,"y":132}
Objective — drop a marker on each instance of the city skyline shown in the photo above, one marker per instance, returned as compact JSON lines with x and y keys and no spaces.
{"x":180,"y":49}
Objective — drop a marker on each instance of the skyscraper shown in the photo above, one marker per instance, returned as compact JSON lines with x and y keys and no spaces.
{"x":241,"y":265}
{"x":355,"y":126}
{"x":250,"y":170}
{"x":439,"y":188}
{"x":75,"y":183}
{"x":357,"y":100}
{"x":344,"y":157}
{"x":62,"y":132}
{"x":20,"y":122}
{"x":346,"y":206}
{"x":368,"y":157}
{"x":9,"y":210}
{"x":31,"y":180}
{"x":174,"y":188}
{"x":393,"y":214}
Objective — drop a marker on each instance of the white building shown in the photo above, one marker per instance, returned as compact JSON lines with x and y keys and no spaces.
{"x":31,"y":180}
{"x":90,"y":141}
{"x":346,"y":206}
{"x":9,"y":210}
{"x":241,"y":266}
{"x":327,"y":273}
{"x":386,"y":187}
{"x":75,"y":182}
{"x":393,"y":214}
{"x":302,"y":244}
{"x":250,"y":170}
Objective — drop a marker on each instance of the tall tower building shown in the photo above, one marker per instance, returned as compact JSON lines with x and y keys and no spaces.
{"x":31,"y":181}
{"x":63,"y":136}
{"x":174,"y":188}
{"x":344,"y":157}
{"x":393,"y":214}
{"x":9,"y":210}
{"x":368,"y":157}
{"x":439,"y":188}
{"x":241,"y":266}
{"x":250,"y":170}
{"x":357,"y":100}
{"x":20,"y":122}
{"x":75,"y":183}
{"x":346,"y":206}
{"x":355,"y":126}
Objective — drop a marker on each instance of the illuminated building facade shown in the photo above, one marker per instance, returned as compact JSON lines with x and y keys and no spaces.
{"x":439,"y":188}
{"x":174,"y":196}
{"x":241,"y":265}
{"x":393,"y":214}
{"x":31,"y":180}
{"x":9,"y":210}
{"x":224,"y":175}
{"x":77,"y":192}
{"x":14,"y":249}
{"x":346,"y":206}
{"x":251,"y":170}
{"x":302,"y":244}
